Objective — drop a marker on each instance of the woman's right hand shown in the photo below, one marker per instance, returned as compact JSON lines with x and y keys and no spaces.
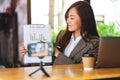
{"x":22,"y":49}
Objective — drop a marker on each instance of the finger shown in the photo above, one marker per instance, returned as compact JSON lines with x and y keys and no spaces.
{"x":23,"y":52}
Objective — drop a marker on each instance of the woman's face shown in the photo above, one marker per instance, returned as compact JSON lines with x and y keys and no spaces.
{"x":73,"y":20}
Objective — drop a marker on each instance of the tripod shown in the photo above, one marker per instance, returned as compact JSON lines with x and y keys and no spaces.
{"x":42,"y":69}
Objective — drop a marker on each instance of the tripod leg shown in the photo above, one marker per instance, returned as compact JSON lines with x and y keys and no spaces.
{"x":43,"y":70}
{"x":34,"y":72}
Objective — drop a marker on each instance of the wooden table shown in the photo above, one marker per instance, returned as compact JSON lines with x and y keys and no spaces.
{"x":59,"y":72}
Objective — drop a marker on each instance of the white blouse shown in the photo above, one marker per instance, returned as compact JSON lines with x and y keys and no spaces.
{"x":73,"y":42}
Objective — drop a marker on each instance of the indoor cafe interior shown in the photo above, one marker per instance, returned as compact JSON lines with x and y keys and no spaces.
{"x":36,"y":24}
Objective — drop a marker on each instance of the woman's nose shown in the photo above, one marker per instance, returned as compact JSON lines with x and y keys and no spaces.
{"x":68,"y":20}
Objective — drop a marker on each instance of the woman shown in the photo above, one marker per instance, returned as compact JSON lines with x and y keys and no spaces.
{"x":80,"y":36}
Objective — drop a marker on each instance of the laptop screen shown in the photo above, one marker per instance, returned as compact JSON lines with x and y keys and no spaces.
{"x":109,"y":52}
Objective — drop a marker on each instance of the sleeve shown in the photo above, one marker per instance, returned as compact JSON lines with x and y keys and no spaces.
{"x":94,"y":48}
{"x":62,"y":59}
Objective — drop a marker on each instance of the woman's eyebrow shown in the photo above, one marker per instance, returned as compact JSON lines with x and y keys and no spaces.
{"x":72,"y":15}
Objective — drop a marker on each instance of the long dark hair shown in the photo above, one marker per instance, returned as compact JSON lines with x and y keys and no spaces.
{"x":88,"y":27}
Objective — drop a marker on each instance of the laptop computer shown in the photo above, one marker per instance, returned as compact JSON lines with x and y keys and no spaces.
{"x":108,"y":53}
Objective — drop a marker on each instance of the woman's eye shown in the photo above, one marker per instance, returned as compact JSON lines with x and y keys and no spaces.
{"x":72,"y":18}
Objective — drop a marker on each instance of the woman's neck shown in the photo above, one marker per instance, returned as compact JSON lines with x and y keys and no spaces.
{"x":76,"y":34}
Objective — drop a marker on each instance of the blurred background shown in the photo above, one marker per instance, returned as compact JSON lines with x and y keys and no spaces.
{"x":14,"y":14}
